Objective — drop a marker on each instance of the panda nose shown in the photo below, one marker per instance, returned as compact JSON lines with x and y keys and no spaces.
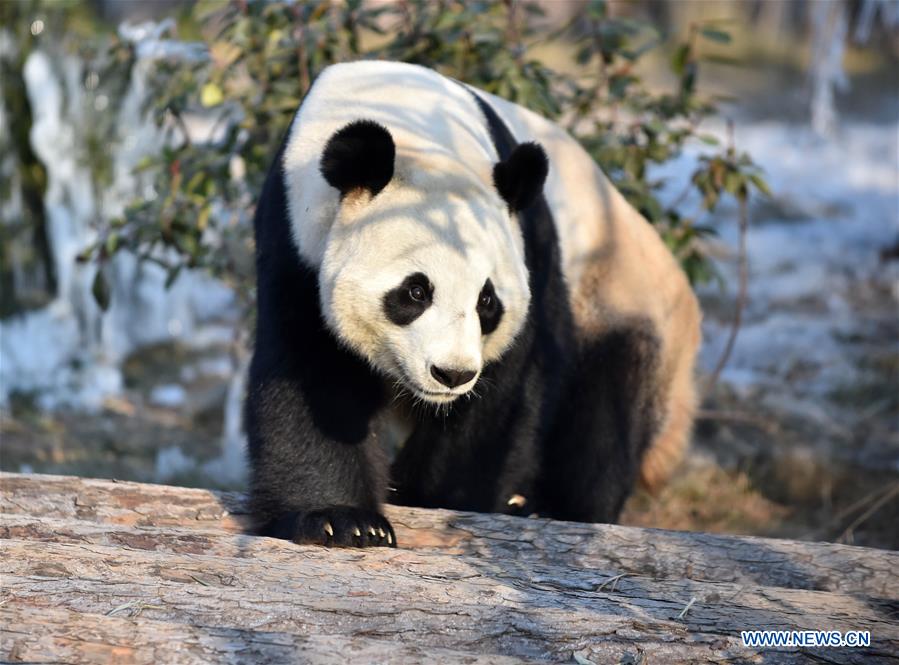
{"x":452,"y":377}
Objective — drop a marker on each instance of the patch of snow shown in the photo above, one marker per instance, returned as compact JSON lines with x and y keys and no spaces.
{"x":169,"y":395}
{"x":170,"y":462}
{"x":805,"y":275}
{"x":148,"y":38}
{"x":218,"y":367}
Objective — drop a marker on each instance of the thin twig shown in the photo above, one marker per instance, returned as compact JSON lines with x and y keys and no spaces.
{"x":861,"y":519}
{"x":862,"y":502}
{"x":182,"y":126}
{"x":302,"y":63}
{"x":513,"y":35}
{"x":741,"y":296}
{"x":739,"y":417}
{"x":684,"y":611}
{"x":613,"y":581}
{"x":602,"y":75}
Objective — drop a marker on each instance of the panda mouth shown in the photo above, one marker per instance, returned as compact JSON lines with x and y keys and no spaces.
{"x":443,"y":394}
{"x":424,"y":393}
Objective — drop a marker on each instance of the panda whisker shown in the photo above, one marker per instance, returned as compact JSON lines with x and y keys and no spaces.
{"x":399,"y":391}
{"x":486,"y":383}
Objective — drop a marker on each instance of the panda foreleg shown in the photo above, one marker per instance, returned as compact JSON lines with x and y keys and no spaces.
{"x":317,"y":472}
{"x":318,"y":475}
{"x":604,"y":426}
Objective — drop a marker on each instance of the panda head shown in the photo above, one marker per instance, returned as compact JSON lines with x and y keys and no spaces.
{"x":423,"y":272}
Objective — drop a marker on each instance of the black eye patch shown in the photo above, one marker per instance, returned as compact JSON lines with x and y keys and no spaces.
{"x":409,"y":300}
{"x":490,"y":309}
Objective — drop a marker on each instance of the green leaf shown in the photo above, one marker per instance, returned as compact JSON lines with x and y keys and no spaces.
{"x":760,"y":184}
{"x":100,"y":289}
{"x":195,"y":181}
{"x":203,"y":217}
{"x":688,"y":80}
{"x":734,"y":181}
{"x":596,"y":9}
{"x":211,"y":95}
{"x":680,"y":58}
{"x":172,"y":276}
{"x":112,"y":243}
{"x":85,"y":254}
{"x":144,"y":163}
{"x":715,"y":35}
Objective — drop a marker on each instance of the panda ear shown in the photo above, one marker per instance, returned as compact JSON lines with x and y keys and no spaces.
{"x":520,"y":177}
{"x":359,"y":156}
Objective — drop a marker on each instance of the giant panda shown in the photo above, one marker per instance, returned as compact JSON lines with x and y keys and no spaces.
{"x":447,"y":274}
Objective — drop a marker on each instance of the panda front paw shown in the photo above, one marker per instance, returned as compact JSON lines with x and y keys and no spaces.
{"x":343,"y":526}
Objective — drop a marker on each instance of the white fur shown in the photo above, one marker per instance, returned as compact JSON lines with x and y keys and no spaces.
{"x":439,"y":215}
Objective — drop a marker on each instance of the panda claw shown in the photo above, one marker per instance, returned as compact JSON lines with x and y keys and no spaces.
{"x":337,"y":526}
{"x":517,"y":500}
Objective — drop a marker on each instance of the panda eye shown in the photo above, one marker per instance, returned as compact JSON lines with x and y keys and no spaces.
{"x":490,"y":308}
{"x":486,"y":298}
{"x":417,"y":293}
{"x":408,"y":300}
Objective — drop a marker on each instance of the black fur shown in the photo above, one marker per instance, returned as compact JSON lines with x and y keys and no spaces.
{"x":558,"y":421}
{"x":519,"y":177}
{"x":400,"y":305}
{"x":490,"y":308}
{"x":359,"y":156}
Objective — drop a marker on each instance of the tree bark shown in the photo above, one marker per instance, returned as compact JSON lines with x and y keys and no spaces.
{"x":51,"y":635}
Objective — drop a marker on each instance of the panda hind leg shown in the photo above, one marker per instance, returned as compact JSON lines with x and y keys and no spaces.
{"x":606,"y":420}
{"x":668,"y":447}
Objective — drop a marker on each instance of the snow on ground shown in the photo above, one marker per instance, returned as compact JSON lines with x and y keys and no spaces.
{"x":823,"y":305}
{"x":835,"y":208}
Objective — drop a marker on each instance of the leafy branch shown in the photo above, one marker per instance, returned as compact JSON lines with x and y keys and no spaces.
{"x":263,"y":56}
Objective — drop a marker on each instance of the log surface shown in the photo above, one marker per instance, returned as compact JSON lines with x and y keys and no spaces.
{"x":102,"y":571}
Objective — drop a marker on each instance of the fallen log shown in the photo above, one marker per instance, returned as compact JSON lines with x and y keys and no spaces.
{"x":625,"y":550}
{"x":124,"y":568}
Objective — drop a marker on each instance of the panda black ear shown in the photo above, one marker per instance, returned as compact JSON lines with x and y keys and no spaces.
{"x":359,"y":156}
{"x":520,"y":177}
